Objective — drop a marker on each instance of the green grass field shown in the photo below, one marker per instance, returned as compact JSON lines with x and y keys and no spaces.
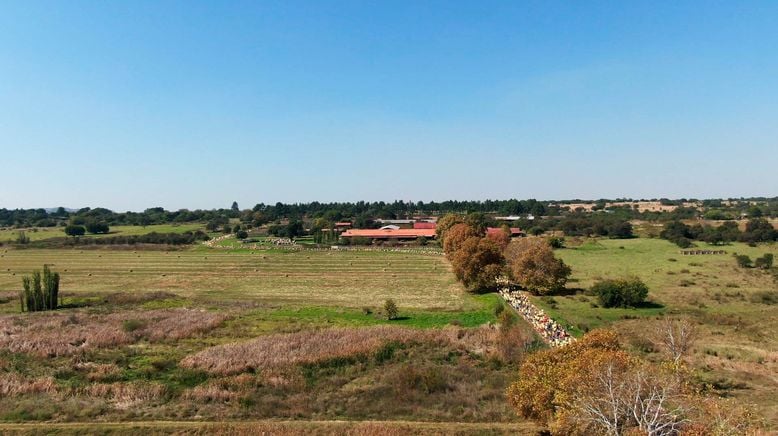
{"x":42,"y":233}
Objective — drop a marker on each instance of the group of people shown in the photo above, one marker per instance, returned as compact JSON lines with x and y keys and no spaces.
{"x":546,"y":327}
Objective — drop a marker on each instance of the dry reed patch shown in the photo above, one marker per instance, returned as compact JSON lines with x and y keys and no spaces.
{"x":272,"y":352}
{"x":12,"y":384}
{"x":98,"y":371}
{"x":223,"y":390}
{"x":125,"y":395}
{"x":58,"y":334}
{"x":280,"y":350}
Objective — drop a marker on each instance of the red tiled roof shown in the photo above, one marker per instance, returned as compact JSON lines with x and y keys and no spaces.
{"x":424,"y":225}
{"x":389,"y":233}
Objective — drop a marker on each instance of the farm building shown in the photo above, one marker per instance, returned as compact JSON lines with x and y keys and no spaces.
{"x":398,"y":234}
{"x":424,"y":225}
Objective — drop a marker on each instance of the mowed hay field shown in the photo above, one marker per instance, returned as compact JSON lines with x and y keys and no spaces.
{"x":737,"y":348}
{"x":329,"y":278}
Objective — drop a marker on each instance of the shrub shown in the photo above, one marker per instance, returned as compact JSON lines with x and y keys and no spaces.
{"x":743,"y":261}
{"x":764,"y":262}
{"x":40,"y":292}
{"x":765,"y":297}
{"x":557,"y":242}
{"x":131,"y":325}
{"x":621,"y":292}
{"x":22,"y":238}
{"x":390,"y":309}
{"x":241,"y":234}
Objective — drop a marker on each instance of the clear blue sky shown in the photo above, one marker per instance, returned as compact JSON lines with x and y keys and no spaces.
{"x":134,"y":104}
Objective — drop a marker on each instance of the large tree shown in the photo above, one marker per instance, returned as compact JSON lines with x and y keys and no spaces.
{"x":534,"y":267}
{"x":74,"y":230}
{"x":445,"y":223}
{"x":478,"y":263}
{"x":456,"y":236}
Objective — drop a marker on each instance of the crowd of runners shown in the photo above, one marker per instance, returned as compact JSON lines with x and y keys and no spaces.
{"x":546,"y":327}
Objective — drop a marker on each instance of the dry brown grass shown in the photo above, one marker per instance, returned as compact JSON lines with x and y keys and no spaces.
{"x":125,"y":395}
{"x":98,"y":371}
{"x":226,"y":389}
{"x":12,"y":384}
{"x":282,"y":350}
{"x":57,"y":334}
{"x":279,"y":350}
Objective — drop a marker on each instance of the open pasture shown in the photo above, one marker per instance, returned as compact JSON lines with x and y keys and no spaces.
{"x":737,"y":346}
{"x":329,"y":278}
{"x":42,"y":233}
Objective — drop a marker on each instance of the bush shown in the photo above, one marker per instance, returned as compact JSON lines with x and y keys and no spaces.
{"x":131,"y":325}
{"x":620,"y":292}
{"x":22,"y":238}
{"x":74,"y":230}
{"x":765,"y":297}
{"x":764,"y":262}
{"x":40,"y":292}
{"x":390,"y":309}
{"x":241,"y":234}
{"x":556,"y":242}
{"x":743,"y":261}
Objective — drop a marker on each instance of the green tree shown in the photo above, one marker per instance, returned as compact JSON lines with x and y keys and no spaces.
{"x":74,"y":230}
{"x":96,"y":227}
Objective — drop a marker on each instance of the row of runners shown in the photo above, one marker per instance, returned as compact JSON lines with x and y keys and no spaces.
{"x":546,"y":327}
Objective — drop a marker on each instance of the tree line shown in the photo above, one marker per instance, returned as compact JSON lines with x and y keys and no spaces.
{"x":335,"y":211}
{"x":683,"y":235}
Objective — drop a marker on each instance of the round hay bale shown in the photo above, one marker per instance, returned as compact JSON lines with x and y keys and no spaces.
{"x":90,"y":274}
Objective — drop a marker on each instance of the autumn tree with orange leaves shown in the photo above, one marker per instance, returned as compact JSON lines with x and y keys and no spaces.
{"x":456,"y":236}
{"x":593,"y":386}
{"x":477,"y":263}
{"x":534,"y":267}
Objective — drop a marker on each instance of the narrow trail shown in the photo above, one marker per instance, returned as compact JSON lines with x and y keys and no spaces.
{"x":548,"y":329}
